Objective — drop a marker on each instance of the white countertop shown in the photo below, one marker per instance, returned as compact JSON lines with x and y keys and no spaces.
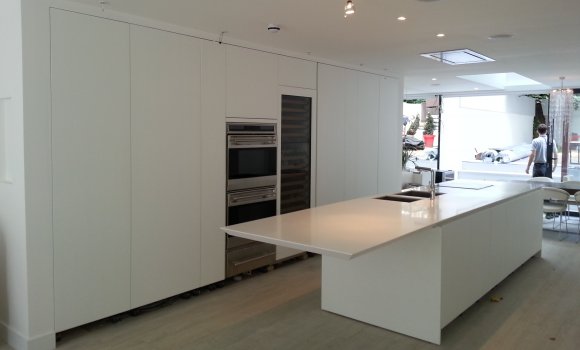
{"x":350,"y":228}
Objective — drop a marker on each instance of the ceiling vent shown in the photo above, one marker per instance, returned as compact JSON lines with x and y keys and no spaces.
{"x":455,"y":57}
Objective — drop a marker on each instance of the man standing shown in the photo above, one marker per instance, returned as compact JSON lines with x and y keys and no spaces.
{"x":539,"y":155}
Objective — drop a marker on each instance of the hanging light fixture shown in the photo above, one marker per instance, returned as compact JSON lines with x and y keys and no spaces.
{"x":560,"y":114}
{"x":348,"y":8}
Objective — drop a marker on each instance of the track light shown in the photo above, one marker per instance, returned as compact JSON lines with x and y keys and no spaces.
{"x":348,"y":8}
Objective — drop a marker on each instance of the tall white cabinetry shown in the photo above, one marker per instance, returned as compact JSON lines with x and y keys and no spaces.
{"x":356,"y":112}
{"x":252,"y":84}
{"x":91,"y":168}
{"x":138,"y":165}
{"x":165,"y":163}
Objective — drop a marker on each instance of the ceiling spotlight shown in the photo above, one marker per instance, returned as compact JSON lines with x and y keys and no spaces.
{"x":348,"y":9}
{"x":440,"y":35}
{"x":433,"y":79}
{"x":401,"y":18}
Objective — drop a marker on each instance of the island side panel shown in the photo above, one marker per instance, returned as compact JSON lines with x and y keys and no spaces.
{"x":396,"y":287}
{"x":482,"y":249}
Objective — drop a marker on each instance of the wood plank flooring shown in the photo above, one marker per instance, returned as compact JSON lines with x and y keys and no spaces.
{"x":539,"y":309}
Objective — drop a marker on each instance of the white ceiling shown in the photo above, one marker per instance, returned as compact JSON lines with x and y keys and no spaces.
{"x":545,"y":43}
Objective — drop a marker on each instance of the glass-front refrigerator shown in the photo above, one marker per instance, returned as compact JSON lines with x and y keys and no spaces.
{"x":296,"y":136}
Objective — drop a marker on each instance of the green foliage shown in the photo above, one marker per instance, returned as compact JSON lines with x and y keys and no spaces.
{"x":415,"y":101}
{"x":429,"y":125}
{"x":414,"y":126}
{"x":406,"y":156}
{"x":537,"y":96}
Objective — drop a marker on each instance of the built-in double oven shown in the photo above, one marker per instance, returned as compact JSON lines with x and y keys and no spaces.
{"x":251,"y":193}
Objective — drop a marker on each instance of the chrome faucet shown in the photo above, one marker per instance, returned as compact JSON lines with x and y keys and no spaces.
{"x":432,"y":182}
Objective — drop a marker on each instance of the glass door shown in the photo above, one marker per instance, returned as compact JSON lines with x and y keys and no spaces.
{"x":296,"y":135}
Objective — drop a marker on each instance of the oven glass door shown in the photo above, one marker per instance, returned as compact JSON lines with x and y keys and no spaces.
{"x":246,"y":163}
{"x":252,"y":211}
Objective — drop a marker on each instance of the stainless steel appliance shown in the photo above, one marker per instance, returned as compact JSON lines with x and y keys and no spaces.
{"x":251,"y":191}
{"x":251,"y":158}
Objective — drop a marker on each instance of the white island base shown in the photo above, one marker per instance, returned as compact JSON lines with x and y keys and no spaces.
{"x":417,"y":283}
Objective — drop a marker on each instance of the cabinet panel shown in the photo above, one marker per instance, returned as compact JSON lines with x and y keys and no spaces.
{"x":465,"y":263}
{"x":330,"y":136}
{"x":166,"y":157}
{"x":213,"y":176}
{"x":252,"y":84}
{"x":390,"y":124}
{"x":296,"y":72}
{"x":91,"y":167}
{"x":365,"y":162}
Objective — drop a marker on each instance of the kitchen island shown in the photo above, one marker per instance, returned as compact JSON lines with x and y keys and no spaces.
{"x":413,"y":267}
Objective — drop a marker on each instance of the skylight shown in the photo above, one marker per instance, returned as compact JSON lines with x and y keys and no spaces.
{"x":501,"y":80}
{"x":455,"y":57}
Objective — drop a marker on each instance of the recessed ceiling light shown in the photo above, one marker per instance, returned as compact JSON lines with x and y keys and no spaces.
{"x":440,"y":35}
{"x":433,"y":79}
{"x":500,"y":36}
{"x":475,"y":88}
{"x":401,"y":18}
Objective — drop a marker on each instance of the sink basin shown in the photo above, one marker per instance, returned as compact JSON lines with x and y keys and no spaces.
{"x":415,"y":193}
{"x":406,"y":199}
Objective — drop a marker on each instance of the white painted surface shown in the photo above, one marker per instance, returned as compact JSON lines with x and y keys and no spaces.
{"x":252,"y":84}
{"x":213,"y":155}
{"x":366,"y":128}
{"x":356,"y":113}
{"x":15,"y":317}
{"x":330,"y":148}
{"x":397,"y":287}
{"x":165,"y":164}
{"x":390,"y":123}
{"x":421,"y":282}
{"x":295,"y":72}
{"x":328,"y":229}
{"x":91,"y":167}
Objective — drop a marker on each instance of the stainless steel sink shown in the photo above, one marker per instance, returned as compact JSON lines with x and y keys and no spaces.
{"x":416,"y":193}
{"x":406,"y":199}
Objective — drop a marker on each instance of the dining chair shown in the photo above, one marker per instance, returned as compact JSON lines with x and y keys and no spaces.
{"x":555,"y":202}
{"x":572,"y":203}
{"x":577,"y":200}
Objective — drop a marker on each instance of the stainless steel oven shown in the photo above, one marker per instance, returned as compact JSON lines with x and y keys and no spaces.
{"x":251,"y":191}
{"x":251,"y":155}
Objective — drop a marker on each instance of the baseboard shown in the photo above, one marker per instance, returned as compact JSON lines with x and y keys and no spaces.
{"x":18,"y":342}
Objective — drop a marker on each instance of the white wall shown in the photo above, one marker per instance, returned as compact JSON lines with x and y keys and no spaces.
{"x":482,"y":122}
{"x":37,"y":163}
{"x":13,"y":265}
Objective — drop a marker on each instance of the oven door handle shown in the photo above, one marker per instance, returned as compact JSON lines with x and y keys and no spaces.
{"x":250,"y":198}
{"x":238,"y":263}
{"x":242,"y":141}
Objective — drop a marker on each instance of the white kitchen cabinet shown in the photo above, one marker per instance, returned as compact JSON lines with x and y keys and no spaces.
{"x":390,"y":124}
{"x":355,"y":116}
{"x":213,"y":170}
{"x":165,"y":163}
{"x":91,"y":167}
{"x":366,"y":130}
{"x":295,"y":72}
{"x":252,"y":84}
{"x":330,"y":144}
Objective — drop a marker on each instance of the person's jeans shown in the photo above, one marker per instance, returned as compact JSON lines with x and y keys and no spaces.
{"x":540,"y":170}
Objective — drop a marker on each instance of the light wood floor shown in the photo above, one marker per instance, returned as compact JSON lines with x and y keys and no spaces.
{"x":539,"y":309}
